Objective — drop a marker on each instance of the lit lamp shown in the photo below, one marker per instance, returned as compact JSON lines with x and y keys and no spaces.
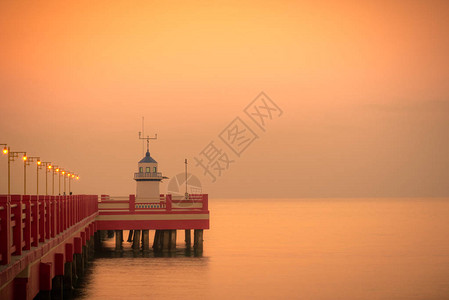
{"x":11,"y":157}
{"x":72,"y":176}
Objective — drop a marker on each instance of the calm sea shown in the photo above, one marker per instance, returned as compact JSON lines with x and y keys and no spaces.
{"x":293,"y":249}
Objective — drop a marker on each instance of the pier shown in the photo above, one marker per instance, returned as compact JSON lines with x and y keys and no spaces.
{"x":46,"y":241}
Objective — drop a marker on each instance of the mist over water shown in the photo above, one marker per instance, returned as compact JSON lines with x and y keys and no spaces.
{"x":290,"y":249}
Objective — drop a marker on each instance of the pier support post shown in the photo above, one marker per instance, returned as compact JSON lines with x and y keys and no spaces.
{"x":136,"y":242}
{"x":172,"y":244}
{"x":58,"y":287}
{"x":198,"y":240}
{"x":145,"y":240}
{"x":97,"y":239}
{"x":86,"y":255}
{"x":78,"y":257}
{"x":188,"y":238}
{"x":165,"y":239}
{"x":130,"y":236}
{"x":68,"y":273}
{"x":79,"y":261}
{"x":118,"y":239}
{"x":156,"y":240}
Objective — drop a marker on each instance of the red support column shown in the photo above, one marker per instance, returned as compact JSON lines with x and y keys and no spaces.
{"x":5,"y":229}
{"x":59,"y":264}
{"x":45,"y":276}
{"x":132,"y":203}
{"x":87,"y":230}
{"x":168,"y":206}
{"x":16,"y":210}
{"x":205,"y":202}
{"x":36,"y":224}
{"x":27,"y":222}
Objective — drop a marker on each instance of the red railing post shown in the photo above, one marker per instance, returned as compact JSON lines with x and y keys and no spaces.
{"x":46,"y":203}
{"x":44,"y":223}
{"x":52,"y":215}
{"x":27,"y":222}
{"x":5,"y":229}
{"x":63,"y":213}
{"x":132,"y":203}
{"x":16,"y":210}
{"x":168,"y":206}
{"x":205,"y":202}
{"x":35,"y":225}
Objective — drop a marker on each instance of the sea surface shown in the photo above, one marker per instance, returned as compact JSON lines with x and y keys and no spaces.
{"x":292,"y":249}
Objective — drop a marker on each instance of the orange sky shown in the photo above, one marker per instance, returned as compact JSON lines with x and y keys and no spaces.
{"x":363,"y":87}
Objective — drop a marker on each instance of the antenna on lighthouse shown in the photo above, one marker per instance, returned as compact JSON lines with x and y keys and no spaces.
{"x":186,"y":194}
{"x":148,"y":138}
{"x":143,"y":134}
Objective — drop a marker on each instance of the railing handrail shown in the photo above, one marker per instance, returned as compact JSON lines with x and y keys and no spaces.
{"x":167,"y":202}
{"x":28,"y":220}
{"x":147,"y":174}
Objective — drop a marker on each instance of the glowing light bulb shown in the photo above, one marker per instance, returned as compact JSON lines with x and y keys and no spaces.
{"x":5,"y":150}
{"x":77,"y":177}
{"x":63,"y":172}
{"x":57,"y":170}
{"x":49,"y":166}
{"x":24,"y":157}
{"x":39,"y":162}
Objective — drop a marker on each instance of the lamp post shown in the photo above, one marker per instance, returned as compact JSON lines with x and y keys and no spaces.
{"x":47,"y":165}
{"x":62,"y":173}
{"x":38,"y":163}
{"x":5,"y":151}
{"x":55,"y":169}
{"x":11,"y":157}
{"x":68,"y":175}
{"x":74,"y":176}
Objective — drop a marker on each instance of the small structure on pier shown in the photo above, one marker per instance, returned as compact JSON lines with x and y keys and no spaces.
{"x":150,"y":210}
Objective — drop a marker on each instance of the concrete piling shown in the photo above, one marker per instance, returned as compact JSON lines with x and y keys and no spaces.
{"x":145,"y":240}
{"x":118,"y":239}
{"x":198,"y":240}
{"x":136,"y":240}
{"x":68,"y":276}
{"x":172,"y":243}
{"x":57,"y":287}
{"x":188,"y":238}
{"x":130,"y":236}
{"x":79,"y":261}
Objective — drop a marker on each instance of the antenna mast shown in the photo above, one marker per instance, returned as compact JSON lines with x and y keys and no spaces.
{"x":186,"y":194}
{"x":148,"y":138}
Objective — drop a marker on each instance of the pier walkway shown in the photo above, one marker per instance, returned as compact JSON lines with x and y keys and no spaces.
{"x":46,"y":241}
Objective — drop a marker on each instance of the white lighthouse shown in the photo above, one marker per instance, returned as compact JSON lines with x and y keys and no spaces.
{"x":148,"y":176}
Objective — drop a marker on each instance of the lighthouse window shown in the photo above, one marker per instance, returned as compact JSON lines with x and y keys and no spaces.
{"x":141,"y":170}
{"x":154,"y":169}
{"x":148,"y":170}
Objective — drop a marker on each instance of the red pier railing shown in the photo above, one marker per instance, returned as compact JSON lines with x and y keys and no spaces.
{"x":27,"y":220}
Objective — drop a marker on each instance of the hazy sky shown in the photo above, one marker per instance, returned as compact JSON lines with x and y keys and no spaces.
{"x":363,"y":86}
